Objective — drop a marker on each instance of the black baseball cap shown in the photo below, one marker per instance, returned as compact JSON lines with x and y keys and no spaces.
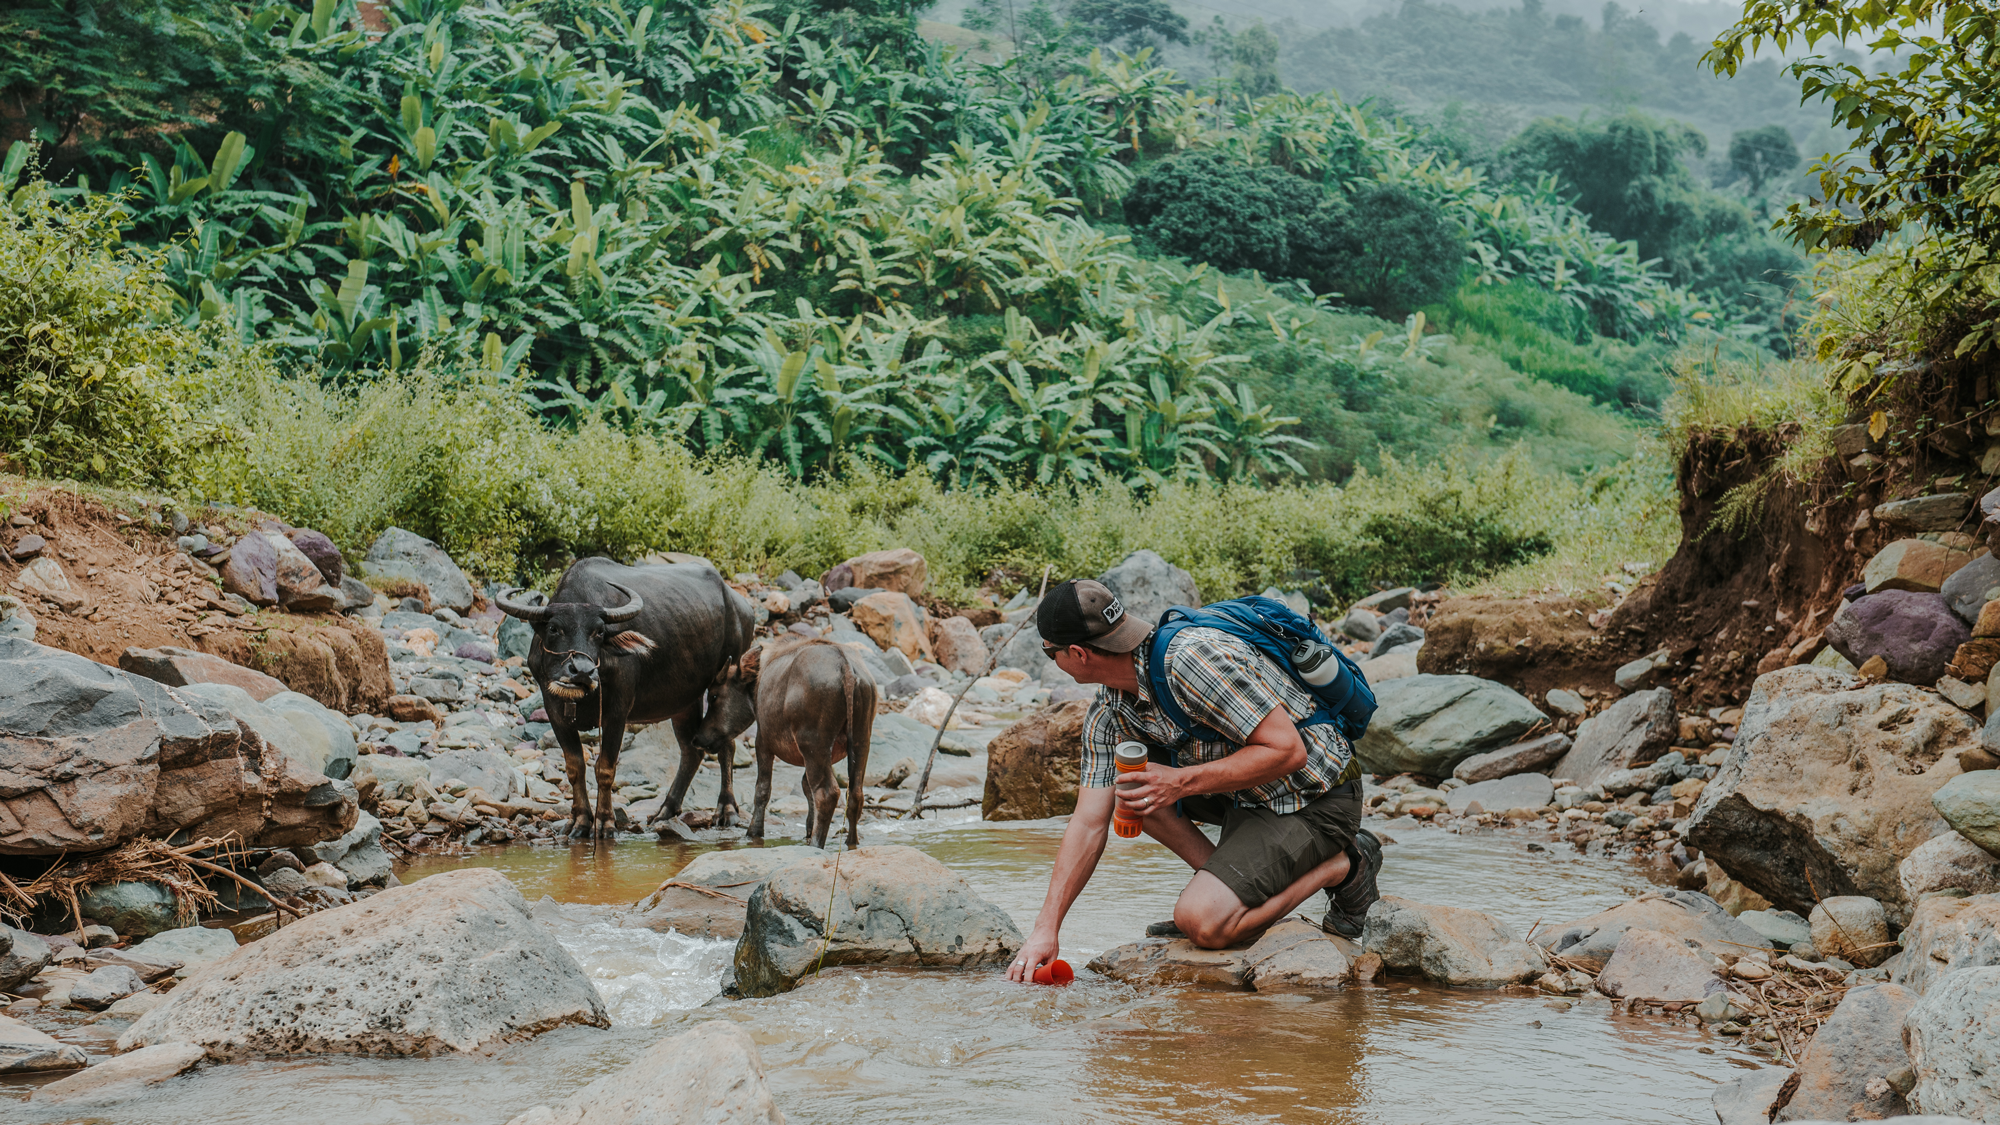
{"x":1085,"y":612}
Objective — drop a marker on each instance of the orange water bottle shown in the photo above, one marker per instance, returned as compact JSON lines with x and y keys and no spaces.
{"x":1131,"y":757}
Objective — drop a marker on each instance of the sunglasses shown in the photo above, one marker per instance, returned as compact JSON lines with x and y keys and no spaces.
{"x":1053,"y":651}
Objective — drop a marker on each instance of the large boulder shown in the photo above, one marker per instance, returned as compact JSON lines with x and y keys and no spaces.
{"x":125,"y":1076}
{"x":1297,"y":956}
{"x":1913,"y":565}
{"x":1853,"y":928}
{"x":131,"y":907}
{"x":296,"y":725}
{"x":890,"y":905}
{"x":92,"y":757}
{"x":1521,"y":757}
{"x":1944,"y":511}
{"x":1917,"y":634}
{"x":709,"y":897}
{"x":1630,"y":732}
{"x":1428,"y":724}
{"x":1649,"y":965}
{"x":1971,"y":803}
{"x":179,"y":667}
{"x":1954,"y":1041}
{"x":399,"y":554}
{"x":1971,"y":586}
{"x":23,"y":1048}
{"x":479,"y":769}
{"x":1946,"y":934}
{"x":190,"y":945}
{"x":710,"y":1074}
{"x":1751,"y":1099}
{"x":899,"y":569}
{"x":1032,"y":767}
{"x":453,"y":962}
{"x":1149,"y":585}
{"x":958,"y":647}
{"x":22,"y":955}
{"x":1448,"y":944}
{"x":343,"y":663}
{"x":1849,"y":1070}
{"x":892,"y":620}
{"x":1948,"y":862}
{"x":1828,"y":786}
{"x":1686,"y":916}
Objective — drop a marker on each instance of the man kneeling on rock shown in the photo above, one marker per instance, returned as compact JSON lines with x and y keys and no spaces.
{"x":1288,"y":799}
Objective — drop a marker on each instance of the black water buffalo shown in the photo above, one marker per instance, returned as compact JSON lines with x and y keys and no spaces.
{"x":623,"y":644}
{"x":813,"y":707}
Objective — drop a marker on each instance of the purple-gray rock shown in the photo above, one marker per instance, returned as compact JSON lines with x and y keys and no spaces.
{"x":321,"y":551}
{"x":475,"y":650}
{"x":252,"y":571}
{"x":1916,"y":633}
{"x":28,"y":547}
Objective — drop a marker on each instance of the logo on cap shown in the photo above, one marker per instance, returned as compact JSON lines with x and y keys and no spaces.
{"x":1113,"y":612}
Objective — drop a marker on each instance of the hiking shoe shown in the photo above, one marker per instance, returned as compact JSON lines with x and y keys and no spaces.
{"x":1164,"y":929}
{"x":1352,"y":898}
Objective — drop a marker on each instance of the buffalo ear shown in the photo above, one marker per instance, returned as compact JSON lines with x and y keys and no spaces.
{"x":633,"y":641}
{"x":751,"y":664}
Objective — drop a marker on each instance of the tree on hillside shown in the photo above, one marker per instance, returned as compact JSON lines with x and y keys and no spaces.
{"x":1255,"y":55}
{"x":862,"y":24}
{"x":1758,"y":156}
{"x":1133,"y":23}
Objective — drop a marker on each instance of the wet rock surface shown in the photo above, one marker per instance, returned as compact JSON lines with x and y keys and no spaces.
{"x":1630,"y":732}
{"x":711,"y":895}
{"x":1649,"y":965}
{"x":710,"y":1074}
{"x":1852,"y":1068}
{"x":1428,"y":724}
{"x":1688,"y":916}
{"x":1447,"y":944}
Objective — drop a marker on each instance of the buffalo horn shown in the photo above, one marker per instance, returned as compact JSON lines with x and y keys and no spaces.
{"x":633,"y":604}
{"x":522,"y":610}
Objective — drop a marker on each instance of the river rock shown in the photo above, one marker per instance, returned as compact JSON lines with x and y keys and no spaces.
{"x":1916,"y":633}
{"x":1853,"y":928}
{"x":396,"y":778}
{"x":1023,"y":652}
{"x":22,"y":1048}
{"x":1942,"y":512}
{"x":959,"y":648}
{"x":691,"y":902}
{"x":1649,"y":965}
{"x":893,"y":621}
{"x":1948,"y":862}
{"x":1448,"y":944}
{"x":251,"y":572}
{"x":135,"y":909}
{"x":1395,"y":637}
{"x":1945,"y":934}
{"x":453,"y":962}
{"x":1685,"y":916}
{"x":1428,"y":724}
{"x":899,"y":569}
{"x":1858,"y":1049}
{"x":1033,"y":767}
{"x":1954,"y":1041}
{"x":295,"y":725}
{"x":1633,"y":731}
{"x":710,"y":1074}
{"x":1174,"y":961}
{"x":1361,"y":625}
{"x":190,"y":945}
{"x":891,"y":905}
{"x":1971,"y":587}
{"x":122,"y":1076}
{"x":1149,"y":585}
{"x":1296,"y":956}
{"x":397,"y":553}
{"x":22,"y":955}
{"x":1751,"y":1099}
{"x":1781,"y":928}
{"x":479,"y":769}
{"x":1388,"y":666}
{"x":1916,"y":565}
{"x":1521,"y":791}
{"x":105,"y":986}
{"x":1521,"y":757}
{"x":179,"y":667}
{"x":358,"y":855}
{"x":1971,"y":803}
{"x":1782,"y":816}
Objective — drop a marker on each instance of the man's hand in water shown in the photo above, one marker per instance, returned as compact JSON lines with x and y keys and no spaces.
{"x":1040,"y":950}
{"x":1156,"y":787}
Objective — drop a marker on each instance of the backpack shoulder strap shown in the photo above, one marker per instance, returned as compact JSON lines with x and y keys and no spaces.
{"x":1171,"y":623}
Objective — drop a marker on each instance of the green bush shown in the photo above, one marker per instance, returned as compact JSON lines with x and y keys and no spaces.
{"x":1232,"y":216}
{"x":1386,"y":248}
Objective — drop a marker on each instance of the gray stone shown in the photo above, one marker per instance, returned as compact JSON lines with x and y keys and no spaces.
{"x":1971,"y":804}
{"x":1689,"y":917}
{"x":1942,"y":512}
{"x":1643,"y":779}
{"x":1024,"y":652}
{"x":436,"y":689}
{"x":1566,"y":702}
{"x":397,"y":553}
{"x":1395,"y":637}
{"x":1850,"y":1069}
{"x":191,"y":945}
{"x":326,"y":730}
{"x":891,"y":905}
{"x":1296,"y":956}
{"x":678,"y":906}
{"x":1388,"y":601}
{"x":710,"y":1074}
{"x":105,"y":986}
{"x":1782,"y":928}
{"x":1637,"y":674}
{"x":515,"y":637}
{"x":1361,"y":625}
{"x":313,"y":737}
{"x":1948,"y":862}
{"x":22,"y":955}
{"x":1448,"y":944}
{"x":1521,"y":791}
{"x":1971,"y":586}
{"x":1954,"y":1041}
{"x":355,"y":594}
{"x":1946,"y":934}
{"x":398,"y":777}
{"x":1149,"y":585}
{"x":1751,"y":1099}
{"x":1853,"y":928}
{"x":22,"y":1048}
{"x":479,"y":769}
{"x":134,"y":909}
{"x":896,"y":735}
{"x":358,"y":854}
{"x":1781,"y":816}
{"x":123,"y":1076}
{"x":1428,"y":724}
{"x":452,"y":962}
{"x":1916,"y":633}
{"x":1521,"y":757}
{"x":1175,"y":961}
{"x":1650,"y":965}
{"x":15,"y":620}
{"x":1631,"y":732}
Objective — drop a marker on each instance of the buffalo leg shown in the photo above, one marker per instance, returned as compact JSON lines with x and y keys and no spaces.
{"x":613,"y":741}
{"x":857,"y":763}
{"x":765,"y":761}
{"x":579,"y":792}
{"x":726,"y":811}
{"x":684,"y":724}
{"x":822,"y":794}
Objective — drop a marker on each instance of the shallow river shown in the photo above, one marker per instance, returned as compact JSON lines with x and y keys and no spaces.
{"x":898,"y":1046}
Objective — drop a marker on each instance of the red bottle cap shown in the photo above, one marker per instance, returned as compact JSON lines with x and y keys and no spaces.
{"x":1055,"y":972}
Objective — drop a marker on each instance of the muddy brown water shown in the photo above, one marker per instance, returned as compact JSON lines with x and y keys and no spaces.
{"x":903,"y":1046}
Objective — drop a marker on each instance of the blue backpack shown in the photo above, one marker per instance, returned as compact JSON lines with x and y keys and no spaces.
{"x":1274,"y":629}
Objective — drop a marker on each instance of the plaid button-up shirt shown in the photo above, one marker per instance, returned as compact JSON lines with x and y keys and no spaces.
{"x":1228,"y":686}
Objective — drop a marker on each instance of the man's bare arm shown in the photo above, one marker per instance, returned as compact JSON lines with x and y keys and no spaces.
{"x":1076,"y":860}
